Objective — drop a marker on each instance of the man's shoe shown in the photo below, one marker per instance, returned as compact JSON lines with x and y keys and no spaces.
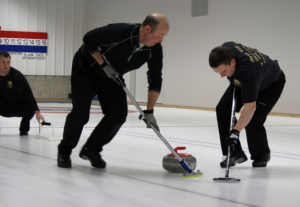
{"x":262,"y":162}
{"x":23,"y":133}
{"x":236,"y":157}
{"x":64,"y":161}
{"x":93,"y":157}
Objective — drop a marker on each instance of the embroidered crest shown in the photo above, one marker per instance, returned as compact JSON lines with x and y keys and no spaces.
{"x":237,"y":83}
{"x":9,"y":84}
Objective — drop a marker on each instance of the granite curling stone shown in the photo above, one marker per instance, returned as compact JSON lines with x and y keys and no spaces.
{"x":170,"y":162}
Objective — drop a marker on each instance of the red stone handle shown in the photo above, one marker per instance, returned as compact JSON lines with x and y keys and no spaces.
{"x":179,"y":148}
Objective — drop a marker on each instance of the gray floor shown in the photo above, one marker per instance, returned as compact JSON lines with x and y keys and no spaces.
{"x":134,"y":175}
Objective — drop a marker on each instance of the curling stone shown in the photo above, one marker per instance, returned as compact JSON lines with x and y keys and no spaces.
{"x":170,"y":162}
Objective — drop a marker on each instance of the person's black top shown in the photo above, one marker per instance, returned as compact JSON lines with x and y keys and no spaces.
{"x":14,"y":88}
{"x":119,"y":43}
{"x":254,"y":71}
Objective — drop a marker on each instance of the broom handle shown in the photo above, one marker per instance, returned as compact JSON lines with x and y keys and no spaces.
{"x":231,"y":127}
{"x":143,"y":115}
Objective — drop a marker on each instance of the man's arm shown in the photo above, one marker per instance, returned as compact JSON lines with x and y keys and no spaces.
{"x":246,"y":116}
{"x":152,"y":98}
{"x":39,"y":116}
{"x":27,"y":92}
{"x":108,"y":69}
{"x":149,"y":117}
{"x":98,"y":57}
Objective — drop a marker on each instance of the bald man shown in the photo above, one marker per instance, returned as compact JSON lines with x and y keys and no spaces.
{"x":107,"y":51}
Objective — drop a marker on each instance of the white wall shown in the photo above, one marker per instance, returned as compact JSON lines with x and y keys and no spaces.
{"x":272,"y":26}
{"x":268,"y":25}
{"x":64,"y":22}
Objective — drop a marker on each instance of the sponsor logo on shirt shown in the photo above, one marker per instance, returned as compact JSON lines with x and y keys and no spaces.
{"x":253,"y":54}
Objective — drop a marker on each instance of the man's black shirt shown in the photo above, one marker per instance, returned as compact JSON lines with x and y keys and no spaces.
{"x":118,"y":43}
{"x":14,"y":88}
{"x":254,"y":71}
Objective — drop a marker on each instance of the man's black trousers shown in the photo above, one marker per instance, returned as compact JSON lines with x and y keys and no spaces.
{"x":255,"y":130}
{"x":85,"y":84}
{"x":19,"y":109}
